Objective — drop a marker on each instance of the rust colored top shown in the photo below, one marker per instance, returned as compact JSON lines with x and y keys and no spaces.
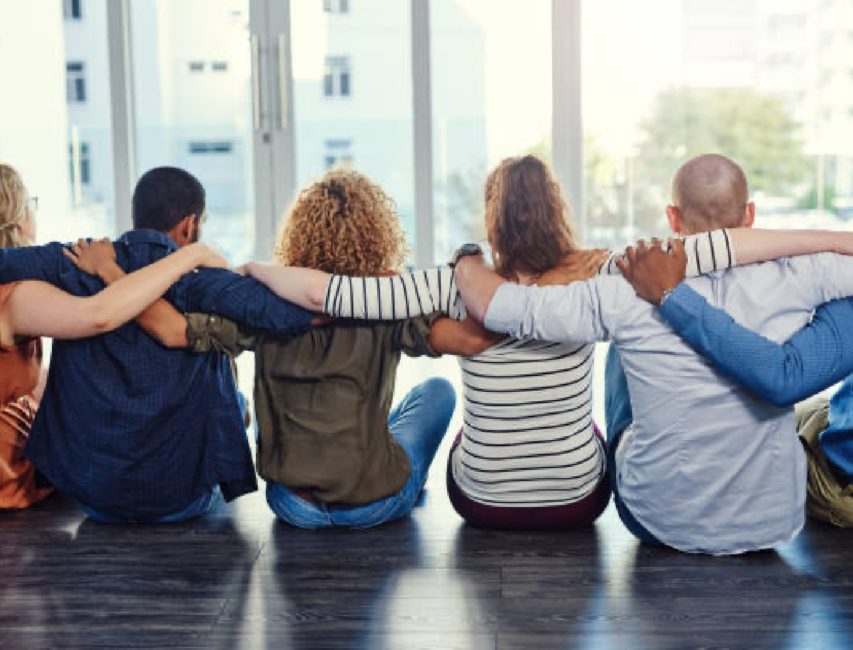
{"x":20,"y":366}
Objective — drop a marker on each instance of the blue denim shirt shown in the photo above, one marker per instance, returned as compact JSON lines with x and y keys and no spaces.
{"x":815,"y":358}
{"x":130,"y":427}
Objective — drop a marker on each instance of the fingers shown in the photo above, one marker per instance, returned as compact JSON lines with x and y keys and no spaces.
{"x":71,"y":256}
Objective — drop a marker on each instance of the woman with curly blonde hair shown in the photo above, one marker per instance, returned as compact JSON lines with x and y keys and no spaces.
{"x":332,"y":450}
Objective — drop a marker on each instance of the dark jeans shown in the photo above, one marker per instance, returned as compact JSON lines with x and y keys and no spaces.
{"x":566,"y":517}
{"x":633,"y":526}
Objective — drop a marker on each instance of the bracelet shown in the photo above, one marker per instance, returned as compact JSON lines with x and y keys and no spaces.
{"x":666,"y":294}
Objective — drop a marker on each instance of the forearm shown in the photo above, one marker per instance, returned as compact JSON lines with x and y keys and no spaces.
{"x":396,"y":297}
{"x":243,"y":300}
{"x":753,"y":245}
{"x":303,"y":287}
{"x":477,"y":285}
{"x":160,"y":319}
{"x":126,"y":297}
{"x":815,"y":358}
{"x":568,"y":314}
{"x":44,"y":263}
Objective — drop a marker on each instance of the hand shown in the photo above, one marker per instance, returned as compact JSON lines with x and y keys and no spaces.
{"x":205,"y":255}
{"x":651,"y":270}
{"x":92,"y":257}
{"x":581,"y":265}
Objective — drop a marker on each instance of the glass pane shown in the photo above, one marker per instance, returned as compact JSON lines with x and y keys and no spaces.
{"x":766,"y":83}
{"x":57,"y":131}
{"x":192,"y":73}
{"x":352,"y":94}
{"x":491,"y":92}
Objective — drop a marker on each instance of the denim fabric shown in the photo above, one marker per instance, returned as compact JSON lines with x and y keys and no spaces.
{"x":418,"y":424}
{"x":197,"y":507}
{"x":132,"y":428}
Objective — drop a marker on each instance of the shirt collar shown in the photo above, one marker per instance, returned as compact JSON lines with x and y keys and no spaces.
{"x":143,"y":236}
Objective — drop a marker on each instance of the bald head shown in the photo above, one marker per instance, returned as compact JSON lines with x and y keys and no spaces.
{"x":710,"y":191}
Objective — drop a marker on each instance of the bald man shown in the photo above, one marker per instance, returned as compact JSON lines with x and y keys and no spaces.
{"x":704,"y":466}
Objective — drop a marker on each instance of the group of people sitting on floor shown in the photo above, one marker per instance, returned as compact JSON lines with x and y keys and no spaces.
{"x":140,"y":419}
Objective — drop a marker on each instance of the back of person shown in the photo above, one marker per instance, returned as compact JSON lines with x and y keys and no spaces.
{"x":528,"y":437}
{"x":323,"y":401}
{"x":126,"y":425}
{"x":706,"y":466}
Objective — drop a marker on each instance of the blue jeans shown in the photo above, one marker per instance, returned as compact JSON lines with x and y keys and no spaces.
{"x":618,"y":415}
{"x":198,"y":507}
{"x":418,"y":424}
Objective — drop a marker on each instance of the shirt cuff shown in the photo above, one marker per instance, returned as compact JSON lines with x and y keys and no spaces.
{"x":506,"y":310}
{"x":682,"y":306}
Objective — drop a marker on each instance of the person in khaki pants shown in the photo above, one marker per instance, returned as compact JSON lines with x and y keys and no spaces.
{"x":830,"y":494}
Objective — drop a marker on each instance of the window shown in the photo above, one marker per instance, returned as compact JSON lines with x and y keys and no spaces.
{"x":196,"y":66}
{"x":72,"y":10}
{"x":338,"y":153}
{"x":211,"y":147}
{"x":336,"y":6}
{"x":336,"y":78}
{"x":219,"y":66}
{"x":75,"y":82}
{"x":80,"y":164}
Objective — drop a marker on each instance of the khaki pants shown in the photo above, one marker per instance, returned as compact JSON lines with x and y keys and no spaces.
{"x":826,"y":500}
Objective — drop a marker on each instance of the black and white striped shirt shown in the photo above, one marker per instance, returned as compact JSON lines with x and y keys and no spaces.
{"x":528,"y":437}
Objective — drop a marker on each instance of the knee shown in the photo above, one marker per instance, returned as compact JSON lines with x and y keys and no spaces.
{"x":439,"y":392}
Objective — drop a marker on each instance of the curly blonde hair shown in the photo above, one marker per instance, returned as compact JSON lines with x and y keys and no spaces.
{"x":345,"y":224}
{"x":14,"y":200}
{"x":527,"y":220}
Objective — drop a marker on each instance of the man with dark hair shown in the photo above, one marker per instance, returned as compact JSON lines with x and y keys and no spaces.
{"x":136,"y":431}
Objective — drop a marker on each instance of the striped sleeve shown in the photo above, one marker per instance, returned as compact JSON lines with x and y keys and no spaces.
{"x":396,"y":297}
{"x":706,"y":252}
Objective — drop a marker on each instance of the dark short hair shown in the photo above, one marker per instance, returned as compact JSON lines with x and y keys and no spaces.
{"x":164,"y":197}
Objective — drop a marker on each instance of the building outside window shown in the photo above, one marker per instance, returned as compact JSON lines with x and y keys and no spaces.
{"x":80,"y":164}
{"x":337,"y":77}
{"x":72,"y":9}
{"x":196,"y":66}
{"x":338,"y":153}
{"x":336,"y":6}
{"x":75,"y":82}
{"x":219,"y":66}
{"x":217,"y":147}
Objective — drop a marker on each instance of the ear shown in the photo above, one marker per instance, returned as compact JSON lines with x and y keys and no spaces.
{"x":184,"y":232}
{"x":673,"y":215}
{"x":748,"y":215}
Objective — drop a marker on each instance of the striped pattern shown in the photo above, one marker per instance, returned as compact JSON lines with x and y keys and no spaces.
{"x":528,"y":437}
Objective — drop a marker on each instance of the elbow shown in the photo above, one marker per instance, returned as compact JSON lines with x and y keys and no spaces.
{"x":315,"y":299}
{"x":102,"y":319}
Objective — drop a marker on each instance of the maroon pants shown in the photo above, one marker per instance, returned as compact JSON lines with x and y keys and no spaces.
{"x":573,"y":515}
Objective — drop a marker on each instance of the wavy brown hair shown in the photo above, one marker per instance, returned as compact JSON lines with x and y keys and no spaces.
{"x":527,"y":220}
{"x":14,"y":201}
{"x":345,"y":224}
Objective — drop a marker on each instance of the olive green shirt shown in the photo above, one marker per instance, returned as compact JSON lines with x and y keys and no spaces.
{"x":322,"y":401}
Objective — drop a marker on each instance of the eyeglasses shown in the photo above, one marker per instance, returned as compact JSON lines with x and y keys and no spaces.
{"x":33,"y":203}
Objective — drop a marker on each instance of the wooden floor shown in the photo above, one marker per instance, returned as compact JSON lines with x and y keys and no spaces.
{"x":239,"y":579}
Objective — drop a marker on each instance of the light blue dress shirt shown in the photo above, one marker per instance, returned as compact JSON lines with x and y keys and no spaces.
{"x":815,"y":358}
{"x":706,"y":466}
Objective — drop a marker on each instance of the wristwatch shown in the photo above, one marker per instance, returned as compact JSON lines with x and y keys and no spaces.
{"x":464,"y":251}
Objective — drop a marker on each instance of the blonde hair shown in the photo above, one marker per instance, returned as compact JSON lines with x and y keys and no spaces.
{"x":13,"y":207}
{"x":346,"y":224}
